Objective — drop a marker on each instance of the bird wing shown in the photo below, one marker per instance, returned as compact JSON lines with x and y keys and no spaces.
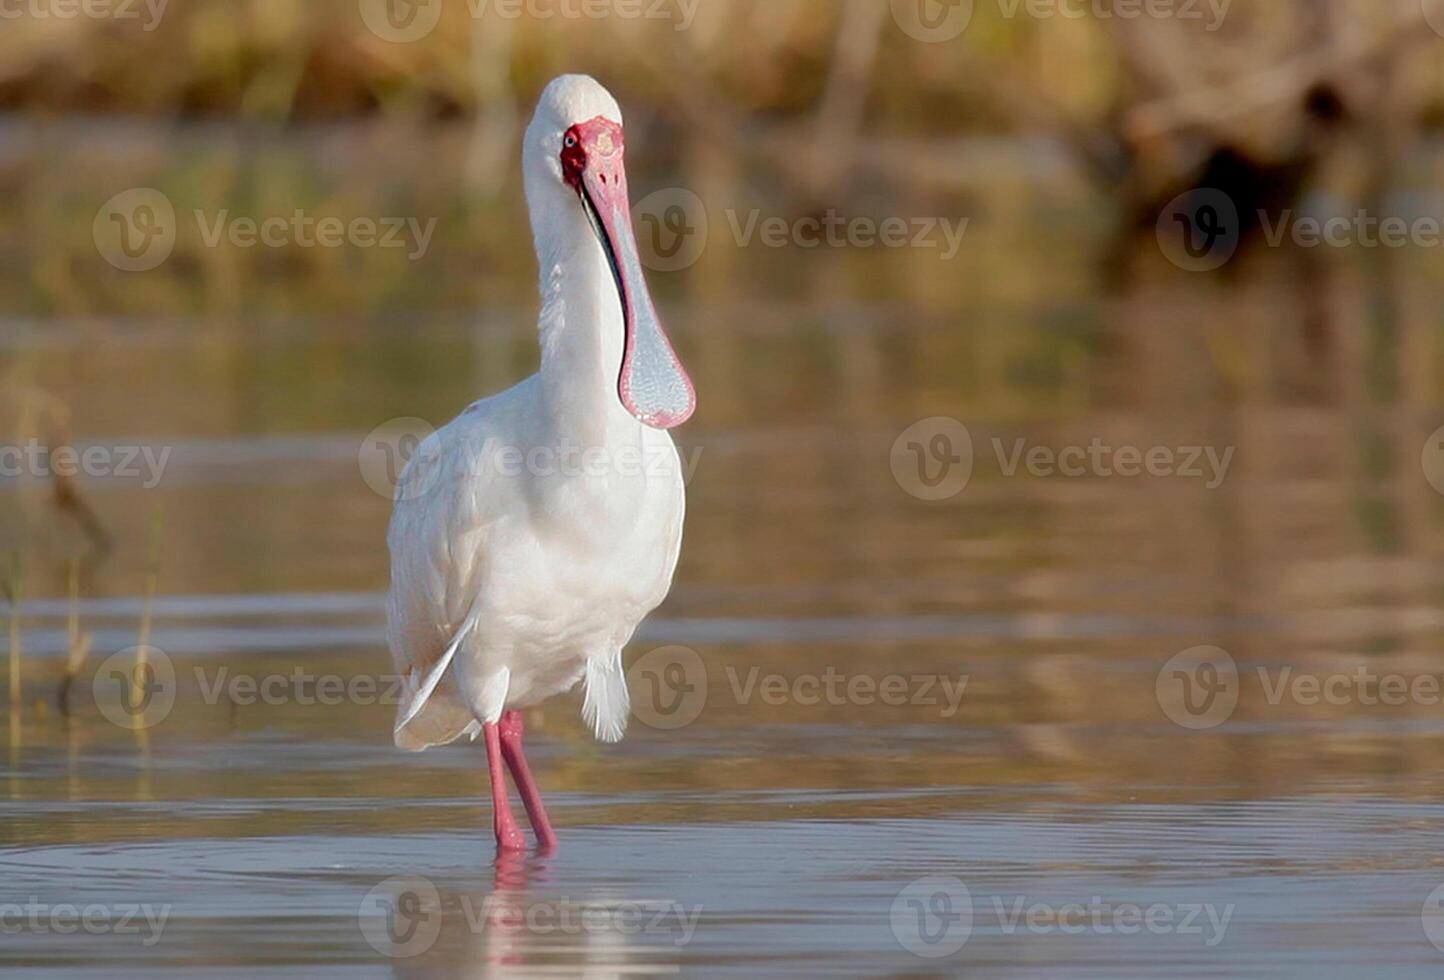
{"x":438,"y":531}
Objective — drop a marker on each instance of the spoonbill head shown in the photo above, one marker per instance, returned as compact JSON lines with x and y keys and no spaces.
{"x":574,"y":161}
{"x":532,"y":534}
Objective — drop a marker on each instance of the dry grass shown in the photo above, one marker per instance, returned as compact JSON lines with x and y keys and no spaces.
{"x":13,"y":594}
{"x":279,"y":60}
{"x":152,"y":580}
{"x":78,"y":649}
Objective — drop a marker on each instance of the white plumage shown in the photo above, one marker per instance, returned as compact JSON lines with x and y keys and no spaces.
{"x":534,"y":533}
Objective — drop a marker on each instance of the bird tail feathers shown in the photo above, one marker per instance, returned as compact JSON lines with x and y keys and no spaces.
{"x":607,"y":703}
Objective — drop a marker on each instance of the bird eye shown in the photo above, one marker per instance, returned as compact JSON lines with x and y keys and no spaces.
{"x":571,"y":141}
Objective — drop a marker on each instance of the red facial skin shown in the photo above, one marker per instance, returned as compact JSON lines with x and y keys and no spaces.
{"x":600,"y":143}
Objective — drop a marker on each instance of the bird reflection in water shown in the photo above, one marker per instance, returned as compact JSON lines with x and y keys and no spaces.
{"x":525,"y":924}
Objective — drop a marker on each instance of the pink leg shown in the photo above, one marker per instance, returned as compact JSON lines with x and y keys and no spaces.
{"x":511,"y":732}
{"x":508,"y":835}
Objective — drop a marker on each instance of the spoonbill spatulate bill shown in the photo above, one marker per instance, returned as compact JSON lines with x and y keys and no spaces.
{"x":534,"y":533}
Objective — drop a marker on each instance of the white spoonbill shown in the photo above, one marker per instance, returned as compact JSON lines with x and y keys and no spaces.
{"x":534,"y":533}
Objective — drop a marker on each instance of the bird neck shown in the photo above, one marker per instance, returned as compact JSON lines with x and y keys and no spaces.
{"x":582,"y":335}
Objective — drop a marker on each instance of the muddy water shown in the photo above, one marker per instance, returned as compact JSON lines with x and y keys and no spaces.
{"x":876,"y":733}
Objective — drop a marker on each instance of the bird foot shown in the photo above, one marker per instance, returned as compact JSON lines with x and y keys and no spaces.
{"x":509,"y":837}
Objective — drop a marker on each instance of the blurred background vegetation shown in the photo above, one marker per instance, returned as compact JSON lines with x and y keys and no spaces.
{"x":281,"y":62}
{"x":1080,"y":125}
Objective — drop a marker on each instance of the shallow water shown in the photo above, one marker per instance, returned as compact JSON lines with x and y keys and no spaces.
{"x":1025,"y":802}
